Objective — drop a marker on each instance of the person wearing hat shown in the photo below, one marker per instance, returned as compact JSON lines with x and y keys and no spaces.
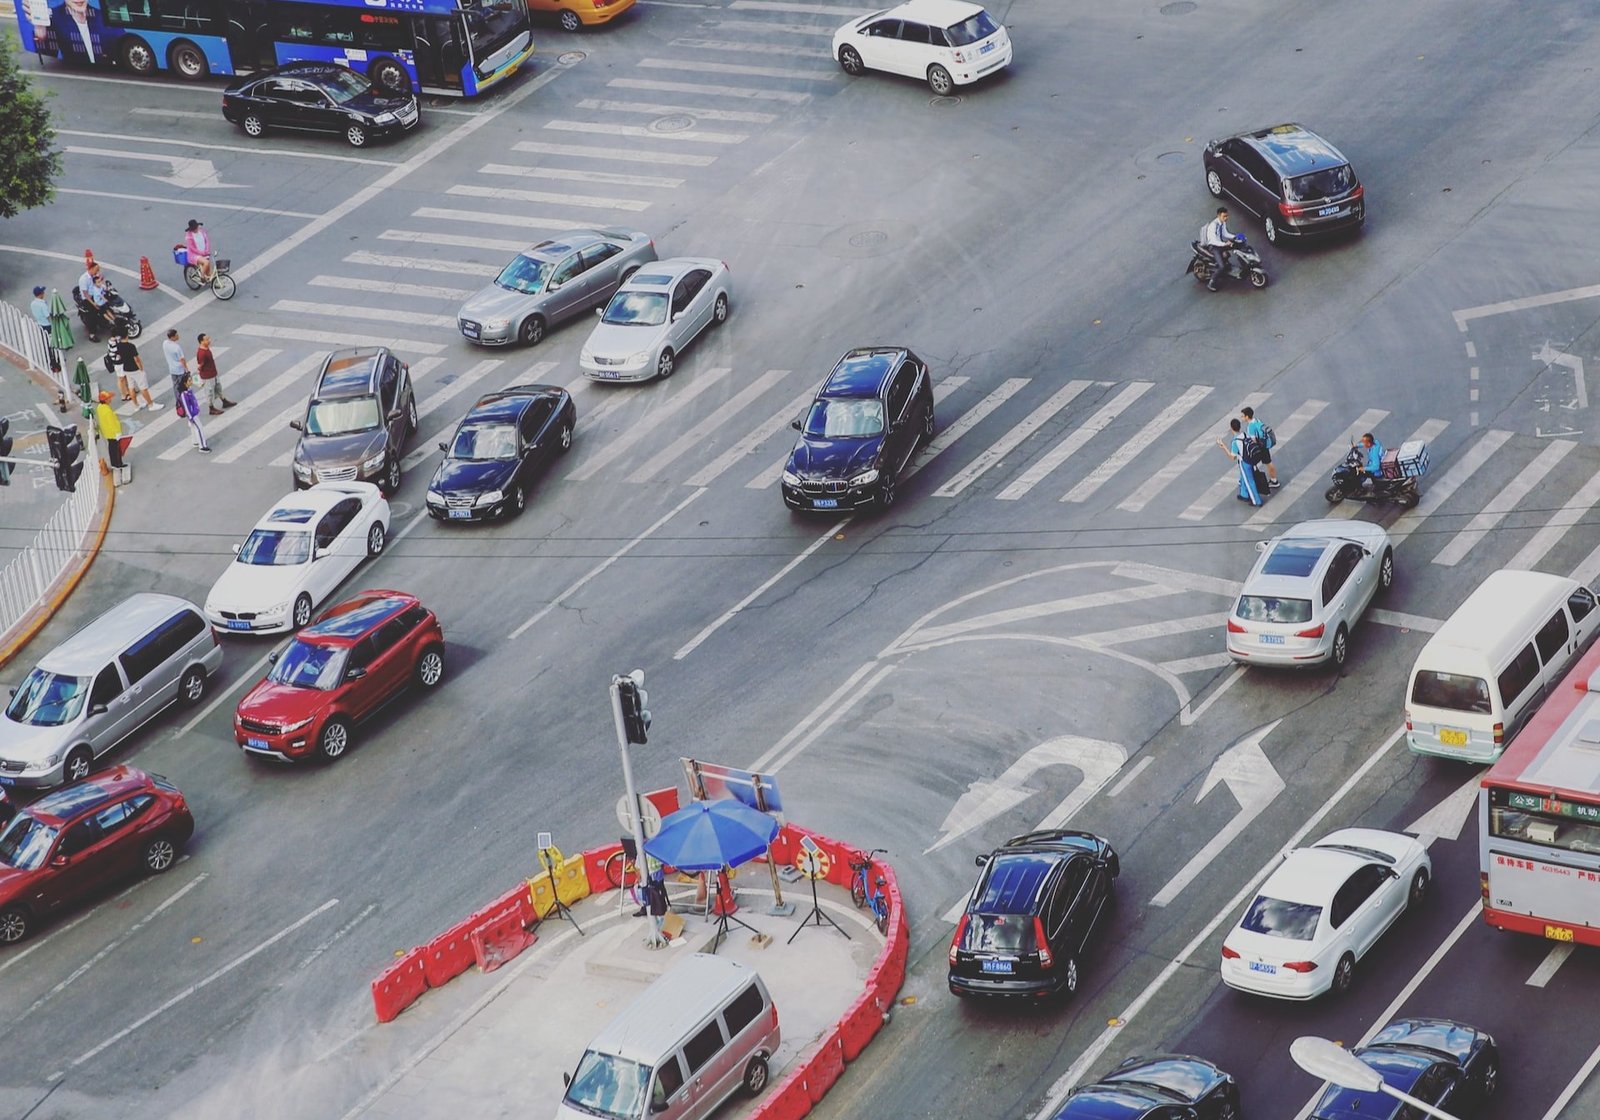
{"x":198,"y":243}
{"x":110,"y":427}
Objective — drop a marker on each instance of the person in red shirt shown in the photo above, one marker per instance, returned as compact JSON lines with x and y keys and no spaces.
{"x":210,"y":383}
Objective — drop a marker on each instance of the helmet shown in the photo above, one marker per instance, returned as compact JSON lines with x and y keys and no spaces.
{"x":105,"y":397}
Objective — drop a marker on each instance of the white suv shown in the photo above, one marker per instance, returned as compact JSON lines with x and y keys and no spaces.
{"x":946,"y":43}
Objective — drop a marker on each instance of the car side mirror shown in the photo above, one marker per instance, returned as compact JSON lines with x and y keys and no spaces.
{"x":555,"y":285}
{"x":297,"y":425}
{"x":98,"y":709}
{"x":58,"y":861}
{"x":982,"y":861}
{"x":566,"y":1080}
{"x":600,"y":312}
{"x":1262,"y":546}
{"x":676,"y":315}
{"x":236,"y":547}
{"x":394,"y":414}
{"x":272,"y":658}
{"x":354,"y":674}
{"x":445,"y":447}
{"x":658,"y":1106}
{"x":795,"y":424}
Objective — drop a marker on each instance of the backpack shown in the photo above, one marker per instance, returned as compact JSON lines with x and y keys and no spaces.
{"x":1253,"y":451}
{"x":1270,"y":436}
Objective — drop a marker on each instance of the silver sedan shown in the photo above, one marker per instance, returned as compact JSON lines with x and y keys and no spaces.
{"x":654,"y":316}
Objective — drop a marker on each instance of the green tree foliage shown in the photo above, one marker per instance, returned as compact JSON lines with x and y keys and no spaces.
{"x":28,"y":163}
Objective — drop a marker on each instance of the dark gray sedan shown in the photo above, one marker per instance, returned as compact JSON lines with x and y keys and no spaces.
{"x":551,"y":282}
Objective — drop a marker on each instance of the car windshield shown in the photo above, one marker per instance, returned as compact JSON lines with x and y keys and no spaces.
{"x":1270,"y":608}
{"x":485,"y":441}
{"x":845,"y":418}
{"x":608,"y":1086}
{"x":644,"y":309}
{"x":524,"y":274}
{"x":343,"y":417}
{"x":1451,"y":690}
{"x":491,"y":24}
{"x":304,"y":665}
{"x":1294,"y":921}
{"x":970,"y":30}
{"x":275,"y":548}
{"x":25,"y":842}
{"x":1327,"y":183}
{"x":344,"y":86}
{"x":48,"y":699}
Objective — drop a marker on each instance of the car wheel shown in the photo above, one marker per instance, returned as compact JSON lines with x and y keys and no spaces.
{"x":1069,"y":982}
{"x":1272,"y":230}
{"x":375,"y":539}
{"x":13,"y":924}
{"x":564,"y":439}
{"x":302,"y":612}
{"x":389,"y":75}
{"x":1488,"y":1081}
{"x":1341,"y":647}
{"x":391,"y":476}
{"x":253,"y":126}
{"x":719,"y":310}
{"x":1386,"y":570}
{"x":356,"y":136}
{"x":1419,"y":888}
{"x":531,"y":333}
{"x":755,"y":1076}
{"x":1214,"y":183}
{"x":77,"y":766}
{"x":430,"y":667}
{"x":1344,"y":974}
{"x":850,"y":61}
{"x":939,"y":81}
{"x":189,"y":61}
{"x":192,"y":687}
{"x":570,"y":21}
{"x":1228,"y":1110}
{"x":334,"y":740}
{"x":518,"y":500}
{"x":137,"y":57}
{"x":886,"y":494}
{"x":664,"y":365}
{"x":159,"y":854}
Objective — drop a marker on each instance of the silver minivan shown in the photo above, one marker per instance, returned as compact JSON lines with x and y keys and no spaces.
{"x":102,"y":684}
{"x":704,"y":1029}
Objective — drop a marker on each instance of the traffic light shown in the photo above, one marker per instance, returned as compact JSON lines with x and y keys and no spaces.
{"x":66,"y":449}
{"x":5,"y":449}
{"x":635,"y":716}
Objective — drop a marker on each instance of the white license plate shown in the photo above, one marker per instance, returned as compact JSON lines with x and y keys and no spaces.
{"x":997,"y":966}
{"x":1326,"y":210}
{"x":237,"y":624}
{"x":1269,"y":969}
{"x":1272,"y":639}
{"x":259,"y":744}
{"x":825,"y":503}
{"x":461,"y":514}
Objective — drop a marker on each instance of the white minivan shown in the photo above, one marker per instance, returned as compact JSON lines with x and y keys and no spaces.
{"x":704,"y":1029}
{"x":1481,"y":677}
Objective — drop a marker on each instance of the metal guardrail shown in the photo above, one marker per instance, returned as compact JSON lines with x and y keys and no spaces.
{"x":27,"y":581}
{"x":22,"y":336}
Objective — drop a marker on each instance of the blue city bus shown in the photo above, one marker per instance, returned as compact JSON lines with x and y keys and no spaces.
{"x":457,"y":48}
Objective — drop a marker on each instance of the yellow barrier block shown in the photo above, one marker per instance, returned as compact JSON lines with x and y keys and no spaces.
{"x":543,"y":895}
{"x":572,"y":880}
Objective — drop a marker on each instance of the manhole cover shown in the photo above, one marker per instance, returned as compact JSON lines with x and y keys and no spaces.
{"x":572,"y":58}
{"x":1178,"y":8}
{"x":868,"y":238}
{"x":1170,"y":159}
{"x":678,"y":122}
{"x":944,"y":102}
{"x":871,"y":238}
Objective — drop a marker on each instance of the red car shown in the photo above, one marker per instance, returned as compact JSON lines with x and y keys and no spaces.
{"x":349,"y":663}
{"x":85,"y":837}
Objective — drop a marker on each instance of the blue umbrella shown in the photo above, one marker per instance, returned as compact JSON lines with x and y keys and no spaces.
{"x":709,"y":835}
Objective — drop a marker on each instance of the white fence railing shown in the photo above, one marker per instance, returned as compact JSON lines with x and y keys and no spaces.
{"x":28,"y":580}
{"x":22,"y":336}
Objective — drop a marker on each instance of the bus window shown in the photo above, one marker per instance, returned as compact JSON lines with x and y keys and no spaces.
{"x":492,"y":24}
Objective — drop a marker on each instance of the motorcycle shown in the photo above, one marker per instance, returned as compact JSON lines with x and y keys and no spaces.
{"x":115,"y":315}
{"x":1244,"y":261}
{"x":1350,"y":480}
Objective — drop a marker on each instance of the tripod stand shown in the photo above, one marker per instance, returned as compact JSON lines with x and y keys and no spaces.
{"x":724,"y":917}
{"x":816,"y":917}
{"x":559,"y":909}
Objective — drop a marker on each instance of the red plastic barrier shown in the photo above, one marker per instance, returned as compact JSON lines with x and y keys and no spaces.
{"x":860,"y":1024}
{"x":449,"y":955}
{"x":398,"y":986}
{"x":594,"y":866}
{"x":825,"y":1066}
{"x":783,"y":848}
{"x":518,"y":898}
{"x":499,"y":938}
{"x":787,"y":1100}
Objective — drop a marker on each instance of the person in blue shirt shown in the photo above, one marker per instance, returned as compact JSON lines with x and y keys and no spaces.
{"x":1235,"y":448}
{"x":1374,"y":453}
{"x":1256,"y":430}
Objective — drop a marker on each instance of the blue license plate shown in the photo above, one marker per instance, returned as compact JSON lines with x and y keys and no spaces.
{"x":986,"y":48}
{"x":469,"y":332}
{"x":1272,"y":639}
{"x":1327,"y":210}
{"x":825,"y":503}
{"x":259,"y":744}
{"x":461,"y":514}
{"x":8,"y":781}
{"x":997,"y":966}
{"x":1268,"y":969}
{"x":611,"y":374}
{"x":238,"y":624}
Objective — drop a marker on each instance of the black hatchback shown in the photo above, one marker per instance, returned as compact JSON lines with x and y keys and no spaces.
{"x":499,"y":449}
{"x":318,"y":97}
{"x":1028,"y":922}
{"x":1297,"y":183}
{"x":1163,"y":1087}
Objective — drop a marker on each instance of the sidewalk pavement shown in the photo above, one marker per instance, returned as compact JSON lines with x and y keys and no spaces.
{"x":503,"y":1054}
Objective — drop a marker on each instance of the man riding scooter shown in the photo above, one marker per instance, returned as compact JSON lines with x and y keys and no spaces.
{"x":1218,"y":239}
{"x":1373,"y":464}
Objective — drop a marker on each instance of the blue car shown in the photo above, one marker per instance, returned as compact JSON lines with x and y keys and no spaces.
{"x":1439,"y":1061}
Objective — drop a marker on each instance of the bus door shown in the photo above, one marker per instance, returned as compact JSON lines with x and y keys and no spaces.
{"x":250,"y":35}
{"x":439,"y":57}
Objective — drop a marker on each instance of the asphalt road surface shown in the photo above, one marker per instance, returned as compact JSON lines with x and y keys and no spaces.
{"x":1033,"y":632}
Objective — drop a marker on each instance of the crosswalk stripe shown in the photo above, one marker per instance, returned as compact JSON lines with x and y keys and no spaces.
{"x":1503,"y":502}
{"x":1313,"y":473}
{"x":689,"y":135}
{"x":1175,"y":466}
{"x":959,"y":426}
{"x":707,"y":427}
{"x":752,"y":440}
{"x":1139,"y":445}
{"x":258,"y":398}
{"x":648,"y":423}
{"x":1571,"y":512}
{"x":388,"y":287}
{"x":839,"y":11}
{"x":1436,"y":494}
{"x":1228,"y":485}
{"x":623,"y":155}
{"x":1003,"y":446}
{"x":570,"y":175}
{"x":418,"y":264}
{"x":169,"y":417}
{"x":371,"y":314}
{"x":745,"y":47}
{"x":494,"y":218}
{"x":700,"y":89}
{"x":745,"y":25}
{"x":1073,"y":441}
{"x":654,"y":110}
{"x":1588,"y":569}
{"x":731,"y":68}
{"x":444,"y":393}
{"x":583,"y":201}
{"x":453,"y":241}
{"x":338,"y":338}
{"x":1430,"y":431}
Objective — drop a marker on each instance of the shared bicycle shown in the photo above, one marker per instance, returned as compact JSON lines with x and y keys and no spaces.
{"x":866,"y":888}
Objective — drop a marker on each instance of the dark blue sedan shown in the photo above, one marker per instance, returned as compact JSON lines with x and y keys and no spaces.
{"x":1164,"y":1087}
{"x":1440,"y":1062}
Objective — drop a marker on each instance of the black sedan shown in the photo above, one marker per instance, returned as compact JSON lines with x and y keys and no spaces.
{"x":318,"y":97}
{"x":498,"y":451}
{"x":1030,"y":916}
{"x":1165,"y":1087}
{"x":1439,"y":1061}
{"x":870,"y":416}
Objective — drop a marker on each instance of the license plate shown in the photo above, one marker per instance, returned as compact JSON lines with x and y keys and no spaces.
{"x":1452,"y":738}
{"x":469,"y":332}
{"x":461,"y":514}
{"x":1272,"y":639}
{"x":8,"y":781}
{"x":1558,"y":933}
{"x":1326,"y":210}
{"x":825,"y":503}
{"x":997,"y":966}
{"x":258,"y":744}
{"x":1268,"y":969}
{"x":237,"y":624}
{"x":611,"y":374}
{"x":986,"y":48}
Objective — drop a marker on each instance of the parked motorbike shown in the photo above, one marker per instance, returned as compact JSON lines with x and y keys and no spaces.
{"x":1351,"y":480}
{"x":115,"y":315}
{"x":1239,"y":259}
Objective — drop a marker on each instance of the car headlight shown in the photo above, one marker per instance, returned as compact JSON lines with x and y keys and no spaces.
{"x":385,"y":117}
{"x":290,"y":728}
{"x":490,"y":498}
{"x":865,"y":478}
{"x":273,"y":612}
{"x":496,"y":324}
{"x":640,"y":358}
{"x":436,"y":496}
{"x":790,"y":478}
{"x":302,"y":470}
{"x":585,"y":355}
{"x":46,"y":762}
{"x":375,"y":462}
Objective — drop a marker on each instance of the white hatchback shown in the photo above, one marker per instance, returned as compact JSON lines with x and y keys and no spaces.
{"x":946,"y":43}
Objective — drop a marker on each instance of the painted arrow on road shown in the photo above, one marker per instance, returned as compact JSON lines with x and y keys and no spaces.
{"x":1254,"y":783}
{"x":1446,"y":820}
{"x":186,"y":173}
{"x":1096,"y":759}
{"x":1550,"y":356}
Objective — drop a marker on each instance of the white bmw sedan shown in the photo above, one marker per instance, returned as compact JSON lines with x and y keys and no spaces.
{"x":1322,"y":910}
{"x":296,"y":555}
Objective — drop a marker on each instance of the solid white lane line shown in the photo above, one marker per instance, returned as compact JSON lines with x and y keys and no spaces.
{"x":992,"y":620}
{"x":945,"y":437}
{"x":210,"y":204}
{"x":623,"y":155}
{"x":420,"y":264}
{"x":1429,"y":432}
{"x":89,"y":1054}
{"x":649,"y":423}
{"x":1091,"y":1055}
{"x":1127,"y":779}
{"x":252,"y":404}
{"x":1572,"y":512}
{"x":571,"y":175}
{"x":297,"y":153}
{"x":744,"y":25}
{"x":1437,"y":493}
{"x":1524,"y":304}
{"x":715,"y":422}
{"x":1550,"y":965}
{"x":1140,"y":444}
{"x":583,"y":201}
{"x":495,"y":218}
{"x":699,"y":89}
{"x":1578,"y":1080}
{"x":1422,"y":624}
{"x":815,"y":714}
{"x":1073,"y":441}
{"x":370,"y":314}
{"x":654,"y":110}
{"x":1503,"y":502}
{"x":1183,"y":460}
{"x":639,"y":131}
{"x":782,"y":49}
{"x":388,"y":287}
{"x":839,"y":11}
{"x":758,"y":435}
{"x":1227,"y":484}
{"x":337,"y":338}
{"x":1007,"y":443}
{"x":780,"y":759}
{"x":592,"y":573}
{"x":455,"y":241}
{"x":192,"y":114}
{"x":728,"y":615}
{"x":328,"y":942}
{"x":1312,"y":474}
{"x":730,"y":68}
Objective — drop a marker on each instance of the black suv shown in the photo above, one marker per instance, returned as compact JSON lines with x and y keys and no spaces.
{"x":356,"y":425}
{"x":1030,"y":916}
{"x":319,"y":97}
{"x":1296,"y":182}
{"x":869,"y":418}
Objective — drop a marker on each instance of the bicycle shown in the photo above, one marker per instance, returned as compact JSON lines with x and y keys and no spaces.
{"x":874,"y":897}
{"x":223,"y":286}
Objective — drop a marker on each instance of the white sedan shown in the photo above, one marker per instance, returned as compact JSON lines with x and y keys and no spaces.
{"x":296,"y":555}
{"x":654,"y":316}
{"x":1322,"y":910}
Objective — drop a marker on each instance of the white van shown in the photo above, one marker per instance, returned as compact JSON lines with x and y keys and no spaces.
{"x":1481,"y":677}
{"x":704,"y":1029}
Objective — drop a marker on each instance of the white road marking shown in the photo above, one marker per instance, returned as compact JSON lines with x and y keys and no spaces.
{"x":1552,"y":962}
{"x":326,"y":944}
{"x":1570,"y":513}
{"x":1447,"y":819}
{"x":984,"y":800}
{"x":624,"y":155}
{"x":648,"y":424}
{"x":1526,"y":303}
{"x":750,"y":442}
{"x":57,"y":932}
{"x":369,"y":314}
{"x":1073,"y":441}
{"x":569,"y":175}
{"x":652,"y":86}
{"x":389,"y":287}
{"x":584,"y":580}
{"x":420,"y":264}
{"x":1399,"y":619}
{"x":782,"y":49}
{"x":195,"y":145}
{"x":495,"y":218}
{"x":1140,"y":444}
{"x":190,"y":114}
{"x":582,"y":201}
{"x":1430,"y":431}
{"x":1127,"y":779}
{"x":757,"y":25}
{"x":709,"y":426}
{"x":1437,"y":493}
{"x":1050,"y":608}
{"x":1227,"y":484}
{"x":169,"y":416}
{"x":971,"y":418}
{"x":1313,"y":473}
{"x":337,"y":338}
{"x":1199,"y":663}
{"x":430,"y":446}
{"x":1007,"y":443}
{"x":1148,"y":630}
{"x":1191,"y":714}
{"x":1578,"y":1080}
{"x":779,"y":760}
{"x":1503,"y":502}
{"x":639,"y":131}
{"x":455,"y":241}
{"x":839,"y":11}
{"x":730,"y":68}
{"x":654,"y":110}
{"x":187,"y":201}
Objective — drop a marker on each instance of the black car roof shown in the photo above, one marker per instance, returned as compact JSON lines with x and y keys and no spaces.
{"x":349,"y":373}
{"x":1295,"y":150}
{"x":862,"y":372}
{"x":507,"y":405}
{"x":1013,"y":880}
{"x":1111,"y":1102}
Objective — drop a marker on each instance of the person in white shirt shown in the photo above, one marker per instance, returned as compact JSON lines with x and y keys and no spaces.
{"x":1216,"y":237}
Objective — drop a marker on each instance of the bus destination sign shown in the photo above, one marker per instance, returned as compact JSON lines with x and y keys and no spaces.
{"x":1533,"y":803}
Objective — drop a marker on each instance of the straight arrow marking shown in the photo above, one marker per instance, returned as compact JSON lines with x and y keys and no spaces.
{"x":1097,"y":760}
{"x":1446,"y":820}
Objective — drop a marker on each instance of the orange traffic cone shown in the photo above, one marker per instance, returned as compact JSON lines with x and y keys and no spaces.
{"x":147,"y":275}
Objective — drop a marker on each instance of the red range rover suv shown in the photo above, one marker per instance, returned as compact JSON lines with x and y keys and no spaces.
{"x":345,"y":666}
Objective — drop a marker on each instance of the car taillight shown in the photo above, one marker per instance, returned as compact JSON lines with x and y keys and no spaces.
{"x":1483,"y":884}
{"x":1234,"y":627}
{"x":1289,"y":210}
{"x":959,"y":57}
{"x":1301,"y":966}
{"x":1229,"y":954}
{"x":1314,"y":632}
{"x":1499,"y":733}
{"x":1408,"y":720}
{"x":961,"y":935}
{"x":1358,"y":194}
{"x":1046,"y":959}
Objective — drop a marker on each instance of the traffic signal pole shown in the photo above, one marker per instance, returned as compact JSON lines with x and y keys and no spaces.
{"x":618,"y":684}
